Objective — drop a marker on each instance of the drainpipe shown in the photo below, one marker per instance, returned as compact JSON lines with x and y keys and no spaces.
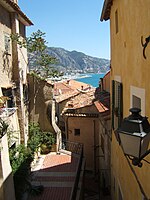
{"x":56,"y":129}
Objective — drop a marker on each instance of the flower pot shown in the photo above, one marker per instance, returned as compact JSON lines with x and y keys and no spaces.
{"x":45,"y":149}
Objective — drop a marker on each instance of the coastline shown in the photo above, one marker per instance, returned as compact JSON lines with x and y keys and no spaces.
{"x":91,"y":79}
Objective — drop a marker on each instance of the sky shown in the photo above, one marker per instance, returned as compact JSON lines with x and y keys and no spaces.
{"x":70,"y":24}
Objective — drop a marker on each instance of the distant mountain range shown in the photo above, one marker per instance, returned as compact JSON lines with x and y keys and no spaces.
{"x":78,"y":61}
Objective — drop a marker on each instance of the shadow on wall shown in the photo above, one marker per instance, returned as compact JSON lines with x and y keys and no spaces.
{"x":40,"y":92}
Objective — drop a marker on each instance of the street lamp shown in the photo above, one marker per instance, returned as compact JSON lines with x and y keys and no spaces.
{"x":134,"y":136}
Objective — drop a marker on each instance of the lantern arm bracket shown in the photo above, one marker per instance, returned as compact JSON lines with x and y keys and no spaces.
{"x":144,"y":45}
{"x":137,"y":161}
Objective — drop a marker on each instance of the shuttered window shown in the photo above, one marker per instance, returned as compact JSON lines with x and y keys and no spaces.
{"x":117,"y":104}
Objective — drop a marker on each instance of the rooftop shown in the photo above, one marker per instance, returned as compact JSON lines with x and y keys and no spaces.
{"x":66,"y":89}
{"x":84,"y":98}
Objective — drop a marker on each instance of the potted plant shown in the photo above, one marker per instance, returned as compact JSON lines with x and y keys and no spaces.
{"x":47,"y":140}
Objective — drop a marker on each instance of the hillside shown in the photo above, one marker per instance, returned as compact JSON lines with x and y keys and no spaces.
{"x":78,"y":61}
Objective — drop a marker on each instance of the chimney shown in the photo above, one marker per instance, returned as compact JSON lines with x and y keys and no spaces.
{"x":68,"y":82}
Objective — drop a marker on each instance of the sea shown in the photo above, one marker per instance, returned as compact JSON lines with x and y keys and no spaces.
{"x":92,"y":79}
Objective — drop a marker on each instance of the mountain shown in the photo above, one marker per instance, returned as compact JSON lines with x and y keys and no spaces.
{"x":78,"y":61}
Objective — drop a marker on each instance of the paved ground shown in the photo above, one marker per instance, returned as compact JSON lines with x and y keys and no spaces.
{"x":91,"y":189}
{"x":57,"y":174}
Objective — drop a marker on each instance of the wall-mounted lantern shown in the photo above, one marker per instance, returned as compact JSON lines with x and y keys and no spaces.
{"x":134,"y":136}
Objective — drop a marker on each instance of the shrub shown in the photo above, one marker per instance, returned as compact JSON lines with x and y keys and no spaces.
{"x":22,"y":156}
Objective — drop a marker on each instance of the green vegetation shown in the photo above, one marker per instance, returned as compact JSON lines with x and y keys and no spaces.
{"x":39,"y":60}
{"x":3,"y":127}
{"x":22,"y":156}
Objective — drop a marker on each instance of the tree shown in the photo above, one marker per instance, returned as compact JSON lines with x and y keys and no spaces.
{"x":40,"y":64}
{"x":39,"y":61}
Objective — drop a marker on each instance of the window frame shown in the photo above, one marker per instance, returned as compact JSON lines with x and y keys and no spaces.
{"x":22,"y":29}
{"x":117,"y":104}
{"x":140,"y":93}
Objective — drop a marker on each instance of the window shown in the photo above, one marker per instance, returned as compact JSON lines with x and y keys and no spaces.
{"x":22,"y":29}
{"x":116,"y":21}
{"x":7,"y":92}
{"x":25,"y":93}
{"x":76,"y":131}
{"x":7,"y":43}
{"x":137,"y":98}
{"x":117,"y":104}
{"x":136,"y":102}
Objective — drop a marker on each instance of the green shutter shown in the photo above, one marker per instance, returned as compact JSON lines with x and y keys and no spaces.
{"x":120,"y":104}
{"x":113,"y":103}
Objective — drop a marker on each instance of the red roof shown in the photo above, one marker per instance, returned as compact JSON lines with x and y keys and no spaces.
{"x":100,"y":107}
{"x":66,"y":89}
{"x":106,"y":74}
{"x":84,"y":98}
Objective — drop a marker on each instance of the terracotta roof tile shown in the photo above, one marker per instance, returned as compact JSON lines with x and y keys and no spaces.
{"x":83,"y":99}
{"x":66,"y":89}
{"x":100,"y":107}
{"x":66,"y":96}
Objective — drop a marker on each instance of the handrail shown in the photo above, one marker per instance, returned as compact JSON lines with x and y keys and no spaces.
{"x":77,"y":176}
{"x":76,"y":148}
{"x":73,"y":147}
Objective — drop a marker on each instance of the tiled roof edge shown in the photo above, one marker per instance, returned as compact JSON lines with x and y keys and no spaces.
{"x":105,"y":15}
{"x":18,"y":10}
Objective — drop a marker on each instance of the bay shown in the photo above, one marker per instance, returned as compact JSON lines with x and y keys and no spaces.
{"x":92,"y":79}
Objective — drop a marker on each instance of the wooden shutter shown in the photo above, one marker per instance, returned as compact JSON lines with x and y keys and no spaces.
{"x":117,"y":104}
{"x":113,"y":103}
{"x":120,"y":104}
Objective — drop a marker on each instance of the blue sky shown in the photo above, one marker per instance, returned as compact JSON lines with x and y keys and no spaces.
{"x":70,"y":24}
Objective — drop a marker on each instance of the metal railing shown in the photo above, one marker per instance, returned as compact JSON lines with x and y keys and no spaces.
{"x":76,"y":148}
{"x":73,"y":147}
